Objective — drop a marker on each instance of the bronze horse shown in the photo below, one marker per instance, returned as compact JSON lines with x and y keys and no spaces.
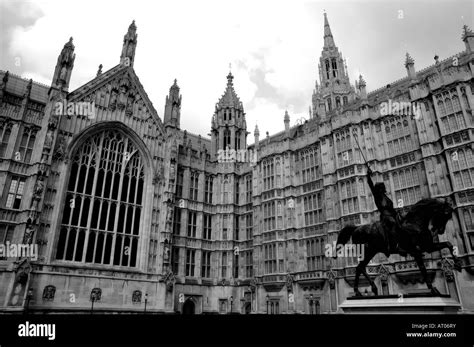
{"x":425,"y":218}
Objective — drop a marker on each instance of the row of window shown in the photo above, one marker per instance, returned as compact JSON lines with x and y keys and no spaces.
{"x":313,"y":209}
{"x":331,"y":68}
{"x":206,"y":262}
{"x":207,"y":225}
{"x":208,"y":188}
{"x":315,"y":254}
{"x":339,"y":101}
{"x":462,"y":166}
{"x":24,"y":148}
{"x":310,"y":169}
{"x":343,"y":141}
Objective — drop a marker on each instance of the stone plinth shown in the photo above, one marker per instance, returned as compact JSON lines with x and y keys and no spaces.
{"x":408,"y":303}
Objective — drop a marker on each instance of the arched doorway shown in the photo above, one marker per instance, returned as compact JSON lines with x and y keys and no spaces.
{"x":189,"y":307}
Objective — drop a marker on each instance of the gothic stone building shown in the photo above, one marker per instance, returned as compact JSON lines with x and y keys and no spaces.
{"x":130,"y":212}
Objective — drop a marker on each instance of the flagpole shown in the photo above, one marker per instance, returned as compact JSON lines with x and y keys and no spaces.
{"x":360,"y":149}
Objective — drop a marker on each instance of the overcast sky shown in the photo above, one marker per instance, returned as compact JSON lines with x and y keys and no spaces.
{"x":274,"y":46}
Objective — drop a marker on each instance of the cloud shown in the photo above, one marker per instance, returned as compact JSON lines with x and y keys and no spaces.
{"x":15,"y":17}
{"x":273,"y":45}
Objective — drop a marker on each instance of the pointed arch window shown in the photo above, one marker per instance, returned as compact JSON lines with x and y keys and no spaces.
{"x":226,"y":138}
{"x":26,"y":145}
{"x":101,"y":218}
{"x":226,"y":191}
{"x":334,"y":67}
{"x":327,"y":69}
{"x":5,"y":132}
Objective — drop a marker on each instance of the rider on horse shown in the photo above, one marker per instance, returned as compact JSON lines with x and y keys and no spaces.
{"x":388,"y":215}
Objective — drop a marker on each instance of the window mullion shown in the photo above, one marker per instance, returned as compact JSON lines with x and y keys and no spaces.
{"x":102,"y":200}
{"x":106,"y":232}
{"x":78,"y":228}
{"x":93,"y":198}
{"x":119,"y":204}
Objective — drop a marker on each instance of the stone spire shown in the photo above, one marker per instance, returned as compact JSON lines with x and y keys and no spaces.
{"x":129,"y":45}
{"x":328,"y":39}
{"x":256,"y":134}
{"x":230,"y":98}
{"x":286,"y":120}
{"x":410,"y":66}
{"x":362,"y":85}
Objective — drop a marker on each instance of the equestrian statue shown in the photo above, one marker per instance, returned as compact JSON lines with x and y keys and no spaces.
{"x":414,"y":233}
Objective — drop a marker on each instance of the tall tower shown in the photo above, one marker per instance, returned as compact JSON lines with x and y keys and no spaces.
{"x":129,"y":45}
{"x":334,"y":89}
{"x":228,"y":128}
{"x":173,"y":107}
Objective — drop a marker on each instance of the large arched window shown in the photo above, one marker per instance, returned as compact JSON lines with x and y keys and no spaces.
{"x":101,"y":218}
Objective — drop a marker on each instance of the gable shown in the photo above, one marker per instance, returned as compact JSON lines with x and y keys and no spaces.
{"x":120,"y":93}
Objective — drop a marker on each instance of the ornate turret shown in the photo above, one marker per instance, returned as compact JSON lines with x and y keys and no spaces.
{"x":230,"y":98}
{"x":129,"y":45}
{"x":63,"y":70}
{"x":228,"y":127}
{"x":410,"y":66}
{"x":468,"y":38}
{"x":173,"y":107}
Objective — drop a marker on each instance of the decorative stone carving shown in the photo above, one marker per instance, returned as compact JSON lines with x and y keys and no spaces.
{"x":49,"y":138}
{"x":113,"y":100}
{"x":331,"y":279}
{"x":289,"y":282}
{"x":23,"y":269}
{"x":137,"y":297}
{"x":37,"y":192}
{"x":96,"y":294}
{"x":130,"y":103}
{"x":253,"y":284}
{"x":29,"y":233}
{"x":41,"y":242}
{"x":384,"y":273}
{"x":447,"y":268}
{"x":166,"y":252}
{"x":169,"y":212}
{"x":60,"y":152}
{"x":122,"y":98}
{"x":159,"y":174}
{"x":48,"y":293}
{"x":172,"y":170}
{"x":169,"y":280}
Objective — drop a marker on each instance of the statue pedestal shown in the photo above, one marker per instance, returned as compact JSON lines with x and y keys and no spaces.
{"x":408,"y":303}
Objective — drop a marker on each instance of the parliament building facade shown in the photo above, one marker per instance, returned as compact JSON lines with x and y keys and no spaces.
{"x":129,"y":212}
